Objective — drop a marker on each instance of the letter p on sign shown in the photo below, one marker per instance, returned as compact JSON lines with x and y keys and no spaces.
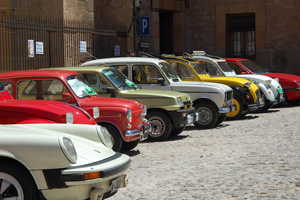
{"x":144,"y":25}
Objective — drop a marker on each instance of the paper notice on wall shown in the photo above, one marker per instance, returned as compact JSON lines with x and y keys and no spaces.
{"x":39,"y":47}
{"x":83,"y":46}
{"x":117,"y":50}
{"x":31,"y":48}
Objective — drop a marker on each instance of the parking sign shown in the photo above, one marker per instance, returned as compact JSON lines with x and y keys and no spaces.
{"x":144,"y":25}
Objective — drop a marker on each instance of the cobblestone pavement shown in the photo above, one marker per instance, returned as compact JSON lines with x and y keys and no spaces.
{"x":257,"y":157}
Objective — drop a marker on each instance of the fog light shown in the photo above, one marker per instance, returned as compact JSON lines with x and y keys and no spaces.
{"x":189,"y":119}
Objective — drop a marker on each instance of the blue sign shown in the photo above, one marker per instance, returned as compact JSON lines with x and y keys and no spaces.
{"x":144,"y":25}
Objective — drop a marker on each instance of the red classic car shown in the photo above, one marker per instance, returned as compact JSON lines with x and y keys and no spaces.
{"x":32,"y":112}
{"x":289,"y":82}
{"x":124,"y":119}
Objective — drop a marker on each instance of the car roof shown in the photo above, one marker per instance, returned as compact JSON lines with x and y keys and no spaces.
{"x":103,"y":61}
{"x":38,"y":73}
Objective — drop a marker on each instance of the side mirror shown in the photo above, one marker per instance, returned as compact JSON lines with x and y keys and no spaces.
{"x":111,"y":91}
{"x":67,"y":97}
{"x":160,"y":81}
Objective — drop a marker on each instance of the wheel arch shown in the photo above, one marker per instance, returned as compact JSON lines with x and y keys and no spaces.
{"x":206,"y":100}
{"x":160,"y":110}
{"x":9,"y":158}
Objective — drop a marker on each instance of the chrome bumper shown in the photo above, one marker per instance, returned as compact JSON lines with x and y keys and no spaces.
{"x":227,"y":109}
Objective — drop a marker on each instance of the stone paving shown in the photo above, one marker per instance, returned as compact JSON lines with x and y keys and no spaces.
{"x":257,"y":157}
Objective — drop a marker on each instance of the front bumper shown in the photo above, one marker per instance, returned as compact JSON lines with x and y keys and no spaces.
{"x":183,"y":117}
{"x":227,"y":109}
{"x":70,"y":183}
{"x":143,"y":131}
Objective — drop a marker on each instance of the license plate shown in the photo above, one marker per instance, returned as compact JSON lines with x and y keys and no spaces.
{"x":280,"y":90}
{"x":118,"y":183}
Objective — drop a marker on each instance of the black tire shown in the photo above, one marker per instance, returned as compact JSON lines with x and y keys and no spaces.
{"x":221,"y":119}
{"x":162,"y":125}
{"x":177,"y":131}
{"x":19,"y":182}
{"x":116,"y":135}
{"x":127,"y":146}
{"x":236,"y":114}
{"x":208,"y":115}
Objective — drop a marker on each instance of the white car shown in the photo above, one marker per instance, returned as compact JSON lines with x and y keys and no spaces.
{"x":212,"y":101}
{"x":40,"y":162}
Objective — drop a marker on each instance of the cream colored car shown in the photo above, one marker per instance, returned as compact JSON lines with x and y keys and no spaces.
{"x":46,"y":162}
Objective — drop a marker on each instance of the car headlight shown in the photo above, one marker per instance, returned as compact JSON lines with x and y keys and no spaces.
{"x":180,"y":102}
{"x":145,"y":110}
{"x":129,"y":115}
{"x":247,"y":85}
{"x":96,"y":112}
{"x":105,"y":136}
{"x":68,"y":148}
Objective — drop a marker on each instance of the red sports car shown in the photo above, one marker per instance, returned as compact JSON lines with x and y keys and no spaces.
{"x":289,"y":82}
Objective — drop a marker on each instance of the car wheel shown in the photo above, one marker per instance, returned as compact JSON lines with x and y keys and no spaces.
{"x":162,"y":126}
{"x":117,"y":139}
{"x":237,"y":113}
{"x":177,"y":131}
{"x":221,"y":119}
{"x":208,"y":115}
{"x":16,"y":182}
{"x":127,"y":146}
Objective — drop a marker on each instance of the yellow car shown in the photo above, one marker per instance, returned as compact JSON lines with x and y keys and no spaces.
{"x":247,"y":95}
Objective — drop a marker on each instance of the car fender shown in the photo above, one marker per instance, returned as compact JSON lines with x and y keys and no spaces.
{"x":267,"y":92}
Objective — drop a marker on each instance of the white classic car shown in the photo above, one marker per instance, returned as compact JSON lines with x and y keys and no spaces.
{"x":41,"y":162}
{"x":212,"y":101}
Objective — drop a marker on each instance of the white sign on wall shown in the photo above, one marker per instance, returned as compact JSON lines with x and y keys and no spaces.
{"x":83,"y":46}
{"x":39,"y":47}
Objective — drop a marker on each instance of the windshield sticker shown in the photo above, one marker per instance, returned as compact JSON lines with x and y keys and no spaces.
{"x":130,"y":83}
{"x":81,"y":88}
{"x":107,"y":73}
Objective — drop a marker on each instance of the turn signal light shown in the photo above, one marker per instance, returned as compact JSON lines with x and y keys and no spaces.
{"x":92,"y":175}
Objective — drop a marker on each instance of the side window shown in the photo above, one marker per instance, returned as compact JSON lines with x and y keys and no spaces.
{"x":185,"y":72}
{"x":236,"y":68}
{"x":122,"y":68}
{"x":41,"y":90}
{"x":96,"y":82}
{"x":145,"y":74}
{"x":7,"y":85}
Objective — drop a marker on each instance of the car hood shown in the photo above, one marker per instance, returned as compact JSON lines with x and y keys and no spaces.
{"x":51,"y":110}
{"x":154,"y":94}
{"x":110,"y":102}
{"x":284,"y":76}
{"x":232,"y":81}
{"x":255,"y":77}
{"x":199,"y":86}
{"x":40,"y":149}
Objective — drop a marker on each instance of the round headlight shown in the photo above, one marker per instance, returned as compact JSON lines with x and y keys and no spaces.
{"x":68,"y":148}
{"x":180,"y":102}
{"x":129,"y":115}
{"x":144,"y":110}
{"x":105,"y":136}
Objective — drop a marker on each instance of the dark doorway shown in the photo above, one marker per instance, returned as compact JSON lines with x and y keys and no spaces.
{"x":166,"y":32}
{"x":240,"y":35}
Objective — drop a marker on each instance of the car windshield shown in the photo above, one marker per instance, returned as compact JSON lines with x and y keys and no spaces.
{"x":118,"y":79}
{"x":170,"y":73}
{"x":80,"y":87}
{"x":199,"y":69}
{"x":253,"y":66}
{"x":224,"y":66}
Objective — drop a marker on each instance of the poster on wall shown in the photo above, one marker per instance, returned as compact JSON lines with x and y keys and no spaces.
{"x":117,"y":50}
{"x":82,"y":46}
{"x":31,"y":48}
{"x":39,"y":48}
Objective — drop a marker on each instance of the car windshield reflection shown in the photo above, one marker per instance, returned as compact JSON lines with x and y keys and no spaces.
{"x":80,"y":86}
{"x":118,"y":79}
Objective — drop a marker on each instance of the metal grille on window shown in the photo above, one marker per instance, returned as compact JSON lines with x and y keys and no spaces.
{"x":237,"y":43}
{"x":250,"y":44}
